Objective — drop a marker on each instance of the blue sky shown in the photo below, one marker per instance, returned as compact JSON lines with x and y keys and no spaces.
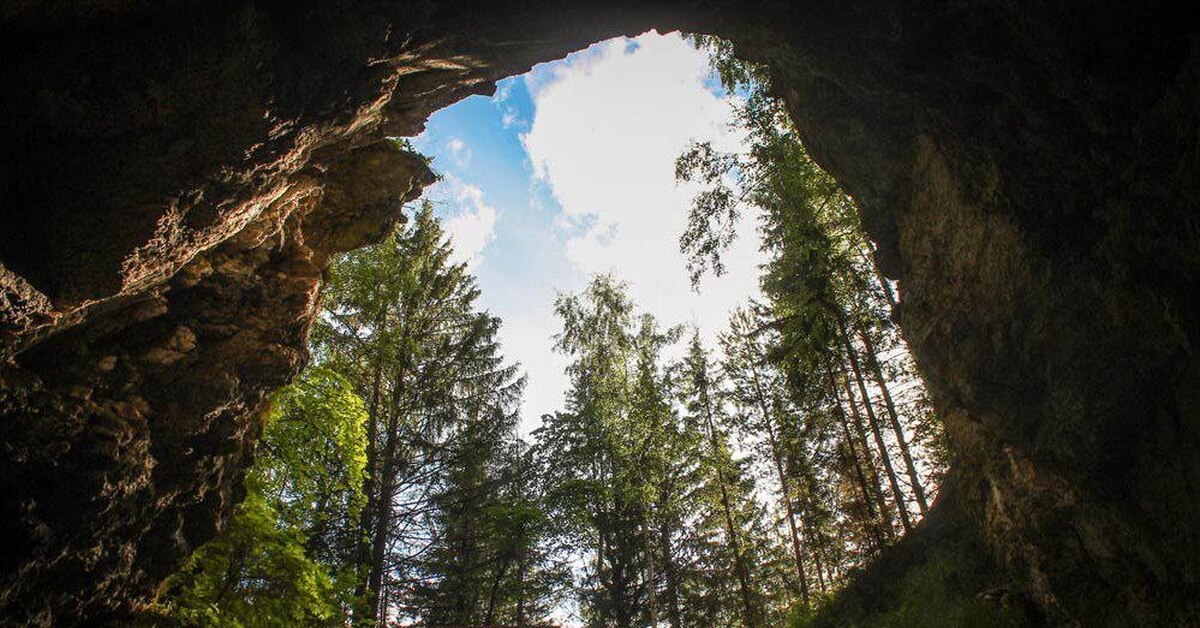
{"x":569,"y":171}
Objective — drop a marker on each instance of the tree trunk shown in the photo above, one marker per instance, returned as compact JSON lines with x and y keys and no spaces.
{"x":739,"y":560}
{"x":867,"y":495}
{"x":743,"y":573}
{"x":379,"y":548}
{"x":495,"y":588}
{"x":868,"y":459}
{"x":784,"y":487}
{"x":897,"y":428}
{"x":820,"y":568}
{"x":877,"y":433}
{"x":790,"y":511}
{"x":674,"y":616}
{"x":370,"y":478}
{"x":522,"y":574}
{"x":651,"y":578}
{"x":383,"y":509}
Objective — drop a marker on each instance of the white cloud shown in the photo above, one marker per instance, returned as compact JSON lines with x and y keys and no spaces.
{"x":473,"y":225}
{"x":509,"y":117}
{"x":459,"y":151}
{"x":607,"y":128}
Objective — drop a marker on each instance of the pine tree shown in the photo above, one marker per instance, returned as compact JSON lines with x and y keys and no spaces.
{"x":760,"y":394}
{"x":728,"y":488}
{"x":659,"y":459}
{"x":401,"y":321}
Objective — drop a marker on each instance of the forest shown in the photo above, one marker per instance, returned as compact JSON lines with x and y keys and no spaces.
{"x":741,"y":483}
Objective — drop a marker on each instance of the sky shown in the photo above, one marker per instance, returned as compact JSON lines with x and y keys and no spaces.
{"x":568,"y":171}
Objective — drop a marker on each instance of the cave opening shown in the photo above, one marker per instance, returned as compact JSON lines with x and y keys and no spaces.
{"x":595,"y":345}
{"x":179,"y":179}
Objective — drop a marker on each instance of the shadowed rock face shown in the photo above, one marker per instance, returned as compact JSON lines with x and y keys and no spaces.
{"x":178,"y":174}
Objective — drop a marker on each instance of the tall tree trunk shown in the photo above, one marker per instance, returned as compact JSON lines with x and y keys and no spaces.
{"x":913,"y":477}
{"x":522,"y":576}
{"x":383,"y":508}
{"x":379,"y":545}
{"x":735,"y":547}
{"x":820,"y":564}
{"x":624,"y":572}
{"x":877,"y":433}
{"x":793,"y":528}
{"x":868,"y":495}
{"x":671,"y":574}
{"x":721,"y":458}
{"x":860,"y":431}
{"x":603,"y":572}
{"x":366,"y":523}
{"x":490,"y":618}
{"x":815,"y":540}
{"x":651,"y":577}
{"x":785,"y":486}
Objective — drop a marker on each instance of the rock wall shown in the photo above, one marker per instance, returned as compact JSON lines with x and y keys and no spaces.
{"x":178,"y":174}
{"x":1031,"y":173}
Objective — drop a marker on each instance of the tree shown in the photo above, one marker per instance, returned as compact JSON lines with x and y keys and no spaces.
{"x":401,"y":321}
{"x":489,"y":563}
{"x":595,"y":485}
{"x":760,"y":394}
{"x":255,"y":573}
{"x":282,"y":559}
{"x":311,"y":460}
{"x":740,"y":539}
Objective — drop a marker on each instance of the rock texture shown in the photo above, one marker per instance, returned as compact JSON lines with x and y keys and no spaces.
{"x":177,"y":175}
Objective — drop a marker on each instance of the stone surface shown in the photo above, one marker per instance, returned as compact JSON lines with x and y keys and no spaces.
{"x":177,"y":175}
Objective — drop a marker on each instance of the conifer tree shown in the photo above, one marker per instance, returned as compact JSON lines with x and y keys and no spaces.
{"x":401,"y":321}
{"x":727,"y":492}
{"x":760,"y":394}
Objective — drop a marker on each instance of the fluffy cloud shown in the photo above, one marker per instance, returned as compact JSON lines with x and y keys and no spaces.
{"x":608,"y":125}
{"x":527,"y":337}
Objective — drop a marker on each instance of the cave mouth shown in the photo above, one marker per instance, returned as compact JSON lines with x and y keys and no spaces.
{"x":563,"y":199}
{"x":178,"y":179}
